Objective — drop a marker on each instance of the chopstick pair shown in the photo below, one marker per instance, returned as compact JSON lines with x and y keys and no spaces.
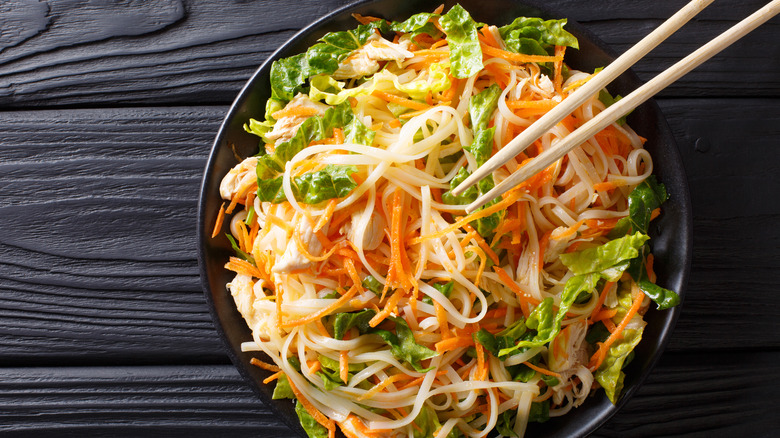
{"x":616,"y":110}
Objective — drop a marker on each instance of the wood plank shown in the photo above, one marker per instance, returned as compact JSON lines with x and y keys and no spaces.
{"x":729,"y":148}
{"x":118,"y":280}
{"x":730,"y":395}
{"x":75,"y":53}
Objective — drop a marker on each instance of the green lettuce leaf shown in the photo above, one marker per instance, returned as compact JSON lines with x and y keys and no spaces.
{"x":444,"y":288}
{"x":372,"y":284}
{"x":506,"y":421}
{"x":331,"y":182}
{"x":427,"y":423}
{"x":310,"y":425}
{"x":540,"y":412}
{"x":282,"y":389}
{"x":534,"y":36}
{"x":401,"y":342}
{"x":417,"y":24}
{"x":504,"y":339}
{"x":462,"y":38}
{"x":482,"y":106}
{"x":610,"y":375}
{"x":604,"y":257}
{"x":545,"y":320}
{"x":330,"y":372}
{"x":645,"y":198}
{"x":288,"y":75}
{"x":317,"y":186}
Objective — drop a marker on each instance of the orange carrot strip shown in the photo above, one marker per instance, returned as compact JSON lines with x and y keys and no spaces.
{"x":517,"y":57}
{"x":654,"y":214}
{"x":272,"y":377}
{"x":481,"y":362}
{"x":571,"y":230}
{"x":609,"y":185}
{"x":324,"y":311}
{"x":599,"y":356}
{"x":298,"y":111}
{"x":450,"y":344}
{"x":509,"y":198}
{"x":390,"y":306}
{"x":441,"y":316}
{"x":241,"y":266}
{"x":607,"y":286}
{"x":452,"y":91}
{"x":326,"y":215}
{"x":541,"y":370}
{"x":344,"y":366}
{"x":560,"y":52}
{"x":220,"y":220}
{"x":545,"y":104}
{"x":400,"y":100}
{"x":380,"y":386}
{"x":305,"y":252}
{"x":482,"y":244}
{"x":264,"y":365}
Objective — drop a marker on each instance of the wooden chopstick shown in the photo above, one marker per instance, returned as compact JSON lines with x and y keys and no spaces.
{"x":627,"y":104}
{"x":583,"y":93}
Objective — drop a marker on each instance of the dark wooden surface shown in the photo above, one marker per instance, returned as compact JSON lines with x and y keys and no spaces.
{"x":107,"y":113}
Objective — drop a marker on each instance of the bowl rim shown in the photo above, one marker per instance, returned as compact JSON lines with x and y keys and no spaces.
{"x":203,"y":233}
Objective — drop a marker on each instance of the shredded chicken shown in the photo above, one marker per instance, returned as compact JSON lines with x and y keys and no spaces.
{"x":365,"y":60}
{"x":286,"y":127}
{"x":557,"y":244}
{"x":246,"y":293}
{"x":373,"y":233}
{"x":239,"y":178}
{"x":292,"y":259}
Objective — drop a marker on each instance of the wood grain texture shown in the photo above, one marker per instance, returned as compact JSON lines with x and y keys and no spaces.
{"x":206,"y":401}
{"x":100,"y":263}
{"x":103,"y":53}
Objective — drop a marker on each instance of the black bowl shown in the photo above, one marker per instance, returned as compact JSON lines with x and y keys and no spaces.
{"x":671,"y":233}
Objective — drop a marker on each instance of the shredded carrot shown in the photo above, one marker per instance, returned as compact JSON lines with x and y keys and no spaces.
{"x":509,"y":198}
{"x":272,"y":377}
{"x":517,"y":57}
{"x":599,"y":356}
{"x":649,"y":267}
{"x":570,"y":231}
{"x":441,"y":316}
{"x":264,"y":365}
{"x":324,"y":311}
{"x":241,"y":266}
{"x":482,"y":370}
{"x":542,"y":370}
{"x":390,"y":306}
{"x":560,"y":52}
{"x":544,"y":104}
{"x":604,"y":314}
{"x":305,"y":252}
{"x":318,"y":416}
{"x":482,"y":244}
{"x":380,"y":386}
{"x":525,"y":299}
{"x":603,"y":296}
{"x":452,"y":91}
{"x":609,"y":185}
{"x":326,"y":215}
{"x":220,"y":220}
{"x":314,"y":366}
{"x":544,"y":242}
{"x":344,"y":366}
{"x":400,"y":100}
{"x":275,"y":220}
{"x":298,"y":111}
{"x":353,"y":424}
{"x":654,"y":214}
{"x":450,"y":344}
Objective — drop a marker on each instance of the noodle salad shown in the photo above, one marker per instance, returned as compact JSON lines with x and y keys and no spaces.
{"x":385,"y":309}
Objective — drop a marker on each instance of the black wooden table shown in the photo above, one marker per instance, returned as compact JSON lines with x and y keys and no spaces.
{"x":107,"y":113}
